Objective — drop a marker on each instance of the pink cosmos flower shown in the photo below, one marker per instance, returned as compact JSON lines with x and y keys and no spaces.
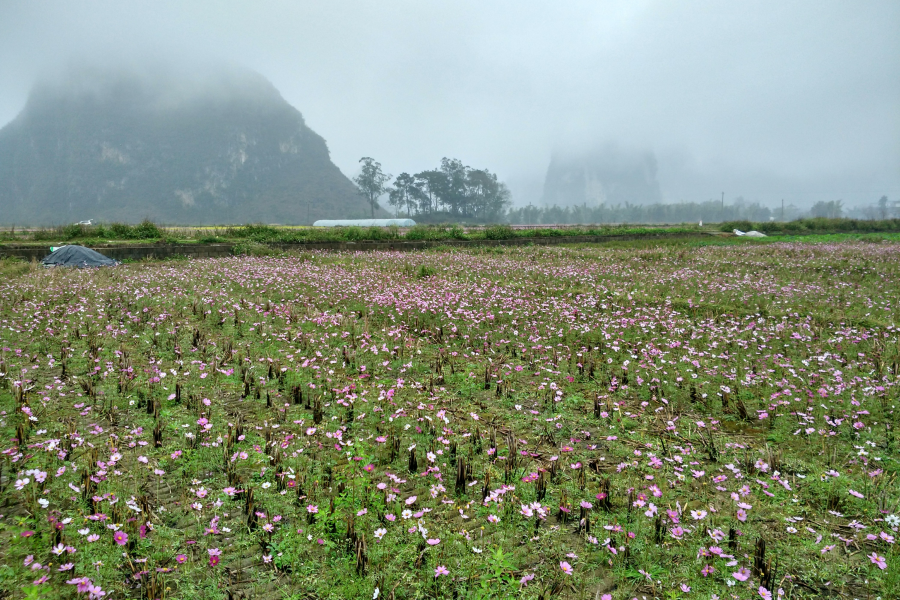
{"x":878,"y":560}
{"x":120,"y":537}
{"x":566,"y":568}
{"x":83,"y":584}
{"x":440,"y":570}
{"x":742,"y":575}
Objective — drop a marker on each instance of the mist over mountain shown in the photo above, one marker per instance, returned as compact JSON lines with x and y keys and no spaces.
{"x":173,"y":144}
{"x":602,"y":175}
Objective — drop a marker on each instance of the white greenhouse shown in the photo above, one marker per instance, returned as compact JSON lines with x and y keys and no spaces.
{"x":365,"y":223}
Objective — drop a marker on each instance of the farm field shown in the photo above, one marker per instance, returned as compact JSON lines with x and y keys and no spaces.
{"x":637,"y":420}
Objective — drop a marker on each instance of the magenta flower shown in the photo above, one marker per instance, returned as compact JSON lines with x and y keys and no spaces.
{"x":440,"y":570}
{"x":878,"y":560}
{"x":82,"y":583}
{"x":742,"y":575}
{"x":180,"y":558}
{"x":566,"y":568}
{"x":120,"y":537}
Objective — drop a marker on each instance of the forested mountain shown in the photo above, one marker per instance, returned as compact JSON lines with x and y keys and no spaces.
{"x":216,"y":146}
{"x":603,"y":175}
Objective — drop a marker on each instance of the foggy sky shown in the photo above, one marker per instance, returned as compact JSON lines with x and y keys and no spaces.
{"x":760,"y":99}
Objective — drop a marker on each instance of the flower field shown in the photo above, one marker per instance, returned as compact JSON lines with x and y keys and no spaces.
{"x":633,"y":421}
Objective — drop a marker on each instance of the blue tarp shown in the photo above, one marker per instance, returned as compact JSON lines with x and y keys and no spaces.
{"x":365,"y":223}
{"x":77,"y":256}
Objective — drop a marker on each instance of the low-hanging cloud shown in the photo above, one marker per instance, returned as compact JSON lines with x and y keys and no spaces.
{"x":754,"y":99}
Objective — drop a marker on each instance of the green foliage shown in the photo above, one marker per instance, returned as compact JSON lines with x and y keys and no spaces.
{"x":425,"y":271}
{"x":499,"y":232}
{"x":14,"y":267}
{"x":433,"y":233}
{"x":816,"y":225}
{"x":338,"y":304}
{"x":253,"y":248}
{"x":145,"y":230}
{"x":371,"y":182}
{"x":452,"y":189}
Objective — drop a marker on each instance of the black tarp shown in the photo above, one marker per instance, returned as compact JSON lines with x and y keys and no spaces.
{"x":77,"y":256}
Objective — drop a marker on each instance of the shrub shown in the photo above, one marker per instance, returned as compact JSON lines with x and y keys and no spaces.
{"x":146,"y":230}
{"x":730,"y":226}
{"x":499,"y":232}
{"x":425,"y":271}
{"x":71,"y":232}
{"x":426,"y":233}
{"x":252,"y":248}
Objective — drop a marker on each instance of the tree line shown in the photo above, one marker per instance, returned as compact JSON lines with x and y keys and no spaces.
{"x":712,"y":211}
{"x":453,"y":189}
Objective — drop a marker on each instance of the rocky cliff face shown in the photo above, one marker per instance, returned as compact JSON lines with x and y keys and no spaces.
{"x":221,"y":146}
{"x":604,"y":175}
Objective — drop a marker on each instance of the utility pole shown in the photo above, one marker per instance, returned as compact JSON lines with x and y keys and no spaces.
{"x":307,"y":213}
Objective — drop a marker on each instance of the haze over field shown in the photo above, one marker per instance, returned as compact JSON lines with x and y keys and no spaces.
{"x":761,"y":100}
